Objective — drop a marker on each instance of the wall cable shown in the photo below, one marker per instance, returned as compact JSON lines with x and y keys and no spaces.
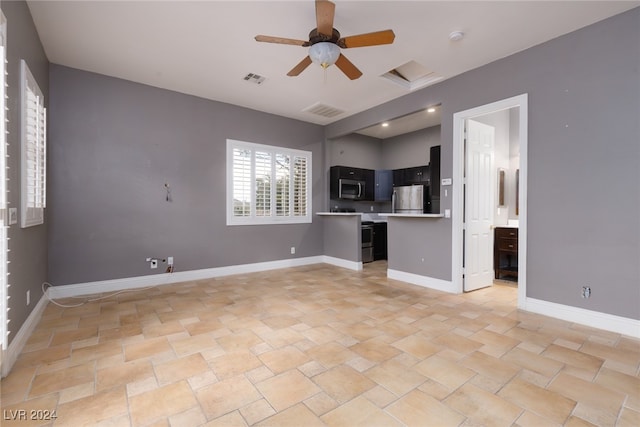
{"x":88,"y":300}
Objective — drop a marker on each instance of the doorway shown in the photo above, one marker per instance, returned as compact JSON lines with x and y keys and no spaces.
{"x":460,"y":119}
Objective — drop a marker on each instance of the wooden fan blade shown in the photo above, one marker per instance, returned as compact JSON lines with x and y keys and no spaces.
{"x":280,"y":40}
{"x":348,"y":68}
{"x":300,"y":67}
{"x":325,"y":11}
{"x":369,"y":39}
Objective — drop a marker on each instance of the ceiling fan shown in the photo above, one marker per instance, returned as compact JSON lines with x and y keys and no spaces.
{"x":325,"y":43}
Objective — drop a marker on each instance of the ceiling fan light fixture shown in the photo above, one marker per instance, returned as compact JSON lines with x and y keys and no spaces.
{"x":324,"y":53}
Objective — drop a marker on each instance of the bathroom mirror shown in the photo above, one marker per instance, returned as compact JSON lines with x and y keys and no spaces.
{"x":501,"y":185}
{"x":517,"y":191}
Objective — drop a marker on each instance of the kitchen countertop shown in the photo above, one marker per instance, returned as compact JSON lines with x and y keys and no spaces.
{"x":339,"y":213}
{"x":401,"y":215}
{"x":373,"y":217}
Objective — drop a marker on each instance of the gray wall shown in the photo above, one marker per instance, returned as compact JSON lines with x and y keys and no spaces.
{"x":113,"y":144}
{"x":583,"y":156}
{"x":413,"y":244}
{"x":28,"y":246}
{"x":410,"y":149}
{"x":343,"y":238}
{"x":356,"y":151}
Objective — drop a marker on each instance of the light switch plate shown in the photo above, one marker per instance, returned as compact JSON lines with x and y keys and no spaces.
{"x":13,"y":216}
{"x":447,"y":213}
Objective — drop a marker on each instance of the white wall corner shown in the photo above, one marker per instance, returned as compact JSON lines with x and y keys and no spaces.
{"x":339,"y":262}
{"x":424,"y":281}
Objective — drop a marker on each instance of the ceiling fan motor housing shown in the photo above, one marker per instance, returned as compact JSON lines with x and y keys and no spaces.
{"x":316,"y":37}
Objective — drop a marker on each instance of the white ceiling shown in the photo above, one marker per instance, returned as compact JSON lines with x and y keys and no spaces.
{"x":409,"y":123}
{"x":205,"y":48}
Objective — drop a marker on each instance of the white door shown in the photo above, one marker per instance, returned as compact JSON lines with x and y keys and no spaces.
{"x":478,"y":206}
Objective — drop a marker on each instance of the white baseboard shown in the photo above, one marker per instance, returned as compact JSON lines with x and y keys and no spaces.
{"x":114,"y":285}
{"x":339,"y":262}
{"x":424,"y":281}
{"x":594,"y":319}
{"x":22,"y":336}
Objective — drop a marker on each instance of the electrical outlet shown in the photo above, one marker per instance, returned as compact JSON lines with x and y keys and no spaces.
{"x":13,"y":216}
{"x":586,"y":292}
{"x":293,"y":250}
{"x":170,"y":261}
{"x":28,"y":297}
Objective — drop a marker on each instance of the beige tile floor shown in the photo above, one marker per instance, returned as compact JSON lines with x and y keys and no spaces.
{"x":319,"y":345}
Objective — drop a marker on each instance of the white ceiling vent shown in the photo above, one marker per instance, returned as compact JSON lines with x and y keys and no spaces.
{"x":323,"y":110}
{"x":254,"y":78}
{"x":412,"y":76}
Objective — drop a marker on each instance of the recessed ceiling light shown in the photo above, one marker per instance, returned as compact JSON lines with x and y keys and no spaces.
{"x":431,"y":110}
{"x":456,"y":36}
{"x":385,"y":124}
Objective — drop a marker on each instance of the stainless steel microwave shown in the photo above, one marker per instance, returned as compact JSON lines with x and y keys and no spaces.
{"x":351,"y":189}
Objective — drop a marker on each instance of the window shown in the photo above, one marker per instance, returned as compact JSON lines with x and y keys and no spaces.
{"x":34,"y":149}
{"x":267,"y":185}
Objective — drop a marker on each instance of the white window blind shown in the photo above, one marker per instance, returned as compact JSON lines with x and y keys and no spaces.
{"x":34,"y":150}
{"x":267,"y":184}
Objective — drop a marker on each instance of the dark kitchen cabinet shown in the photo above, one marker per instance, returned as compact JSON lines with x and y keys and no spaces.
{"x":379,"y":241}
{"x":416,"y":175}
{"x":384,"y":185}
{"x":346,"y":172}
{"x":434,"y":172}
{"x":411,"y":176}
{"x":366,"y":176}
{"x":398,"y":177}
{"x":370,"y":184}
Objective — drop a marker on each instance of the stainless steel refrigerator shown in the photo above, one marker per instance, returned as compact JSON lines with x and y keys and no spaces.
{"x":410,"y":199}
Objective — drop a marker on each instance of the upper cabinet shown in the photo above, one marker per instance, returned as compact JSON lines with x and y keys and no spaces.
{"x":352,"y":183}
{"x":346,"y":172}
{"x":416,"y":175}
{"x":384,"y":185}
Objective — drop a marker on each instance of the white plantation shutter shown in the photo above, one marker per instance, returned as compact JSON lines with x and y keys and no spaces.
{"x":34,"y":149}
{"x":266,"y":184}
{"x":241,"y":190}
{"x":283,"y":185}
{"x":300,"y":186}
{"x":263,"y":173}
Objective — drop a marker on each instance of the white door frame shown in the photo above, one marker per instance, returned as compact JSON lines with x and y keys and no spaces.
{"x":457,"y":190}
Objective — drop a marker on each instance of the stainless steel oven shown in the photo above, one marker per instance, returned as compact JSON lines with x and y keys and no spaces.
{"x":367,"y":241}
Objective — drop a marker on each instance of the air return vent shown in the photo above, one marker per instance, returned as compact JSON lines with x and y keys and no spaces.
{"x":412,"y":76}
{"x":323,"y":110}
{"x":254,"y":78}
